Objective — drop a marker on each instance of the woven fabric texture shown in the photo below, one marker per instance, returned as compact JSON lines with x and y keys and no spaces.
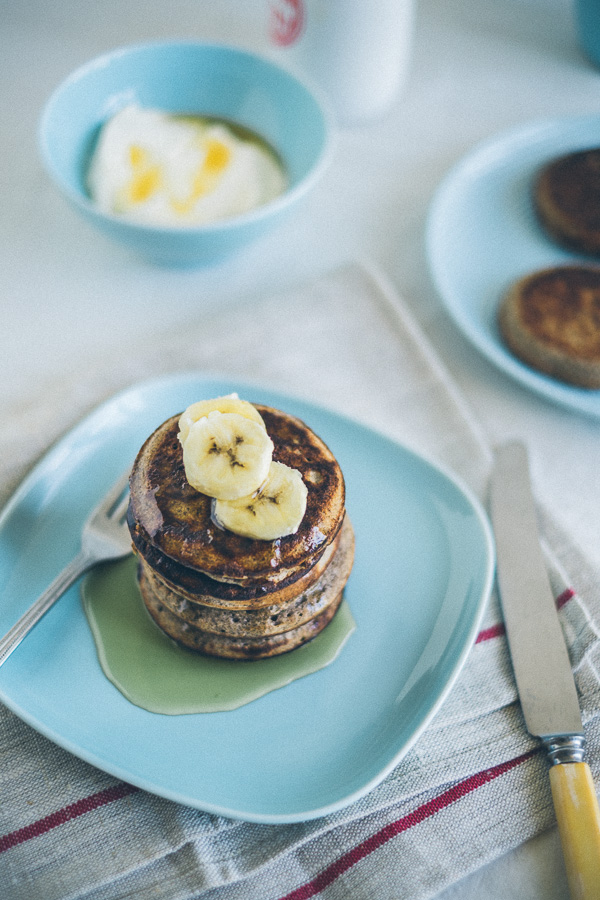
{"x":475,"y":783}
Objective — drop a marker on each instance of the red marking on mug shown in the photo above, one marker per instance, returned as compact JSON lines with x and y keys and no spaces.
{"x":287,"y":21}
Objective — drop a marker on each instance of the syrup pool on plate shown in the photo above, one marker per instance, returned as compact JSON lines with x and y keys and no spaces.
{"x":153,"y":672}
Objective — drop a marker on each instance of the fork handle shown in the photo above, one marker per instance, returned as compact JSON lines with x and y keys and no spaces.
{"x":61,"y":583}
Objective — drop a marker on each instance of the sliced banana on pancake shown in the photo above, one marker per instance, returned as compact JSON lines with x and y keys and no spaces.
{"x":273,"y":511}
{"x":230,"y":403}
{"x":226,"y":455}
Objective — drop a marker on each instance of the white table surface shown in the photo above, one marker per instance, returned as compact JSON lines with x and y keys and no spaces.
{"x":66,"y":295}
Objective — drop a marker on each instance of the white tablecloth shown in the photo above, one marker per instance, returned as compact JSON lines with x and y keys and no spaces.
{"x":68,"y":296}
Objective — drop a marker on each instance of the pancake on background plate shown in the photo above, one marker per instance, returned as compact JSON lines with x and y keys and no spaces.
{"x":550,"y":320}
{"x":237,"y":516}
{"x":567,"y":200}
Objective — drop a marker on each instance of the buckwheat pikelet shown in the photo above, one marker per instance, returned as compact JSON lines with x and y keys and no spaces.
{"x":232,"y":594}
{"x":551,"y":320}
{"x":567,"y":200}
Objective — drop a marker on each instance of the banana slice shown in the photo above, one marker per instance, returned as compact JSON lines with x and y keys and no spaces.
{"x":226,"y":455}
{"x":273,"y":511}
{"x":230,"y":403}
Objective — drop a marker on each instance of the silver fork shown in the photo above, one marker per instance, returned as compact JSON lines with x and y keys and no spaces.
{"x":105,"y":536}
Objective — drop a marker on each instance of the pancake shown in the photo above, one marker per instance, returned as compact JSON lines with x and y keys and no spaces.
{"x":551,"y":321}
{"x":242,"y":648}
{"x":567,"y":200}
{"x":199,"y":588}
{"x":175,"y":520}
{"x":194,"y":624}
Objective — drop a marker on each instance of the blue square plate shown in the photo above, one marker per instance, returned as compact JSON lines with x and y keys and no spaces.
{"x":422,"y":575}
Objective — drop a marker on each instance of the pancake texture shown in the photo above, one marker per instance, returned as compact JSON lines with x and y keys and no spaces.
{"x":551,"y":321}
{"x":221,"y":594}
{"x":251,"y":633}
{"x":567,"y":200}
{"x":176,"y":519}
{"x":247,"y":648}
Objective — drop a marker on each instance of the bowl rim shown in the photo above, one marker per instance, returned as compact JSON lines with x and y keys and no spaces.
{"x":265,"y":210}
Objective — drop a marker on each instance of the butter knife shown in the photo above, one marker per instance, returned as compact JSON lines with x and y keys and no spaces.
{"x":542,"y":668}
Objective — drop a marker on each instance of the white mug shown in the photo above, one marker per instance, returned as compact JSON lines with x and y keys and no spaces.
{"x":357,"y":51}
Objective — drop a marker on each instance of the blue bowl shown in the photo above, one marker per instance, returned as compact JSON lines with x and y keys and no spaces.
{"x":185,"y":77}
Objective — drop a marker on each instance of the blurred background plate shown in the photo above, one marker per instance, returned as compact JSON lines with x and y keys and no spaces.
{"x":482,"y":235}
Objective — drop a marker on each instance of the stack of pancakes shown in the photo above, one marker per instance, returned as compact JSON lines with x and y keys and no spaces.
{"x":226,"y":595}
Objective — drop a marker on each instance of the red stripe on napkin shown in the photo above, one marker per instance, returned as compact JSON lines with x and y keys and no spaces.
{"x":393,"y":829}
{"x":488,"y":633}
{"x":564,"y":598}
{"x":73,"y":811}
{"x":498,"y":630}
{"x":94,"y":801}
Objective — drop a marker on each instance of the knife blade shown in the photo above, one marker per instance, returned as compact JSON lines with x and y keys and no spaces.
{"x":542,"y":667}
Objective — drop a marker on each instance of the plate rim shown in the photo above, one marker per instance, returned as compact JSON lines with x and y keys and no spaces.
{"x":172,"y":380}
{"x":576,"y":399}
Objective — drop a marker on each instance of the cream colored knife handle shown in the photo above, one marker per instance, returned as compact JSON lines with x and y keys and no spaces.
{"x":578,"y":820}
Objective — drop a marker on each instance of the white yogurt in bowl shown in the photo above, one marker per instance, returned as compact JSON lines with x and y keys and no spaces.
{"x":157,"y":168}
{"x":159,"y":204}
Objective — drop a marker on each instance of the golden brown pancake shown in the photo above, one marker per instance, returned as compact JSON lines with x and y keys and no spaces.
{"x":176,"y":520}
{"x":199,"y":588}
{"x":567,"y":200}
{"x":276,"y":628}
{"x":551,"y":321}
{"x":246,"y":648}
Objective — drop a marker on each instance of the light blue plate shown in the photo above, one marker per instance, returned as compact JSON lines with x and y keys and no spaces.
{"x":423,"y":571}
{"x":482,"y":235}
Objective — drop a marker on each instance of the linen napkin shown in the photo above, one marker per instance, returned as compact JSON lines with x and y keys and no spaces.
{"x":475,"y":783}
